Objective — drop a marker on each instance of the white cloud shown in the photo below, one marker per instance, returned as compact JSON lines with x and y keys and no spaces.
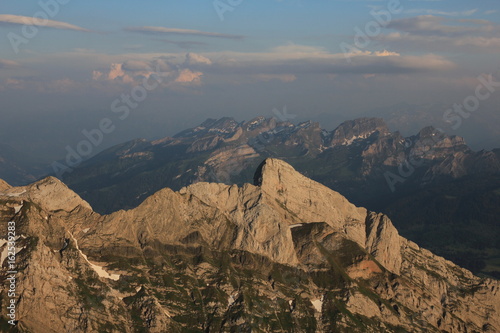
{"x":188,"y":76}
{"x":173,"y":71}
{"x":97,"y":75}
{"x":4,"y":63}
{"x":284,"y":63}
{"x":443,"y":34}
{"x":294,"y":60}
{"x":441,"y":12}
{"x":279,"y":77}
{"x":177,"y":31}
{"x":386,"y":53}
{"x":116,"y":72}
{"x":24,"y":20}
{"x":194,"y":59}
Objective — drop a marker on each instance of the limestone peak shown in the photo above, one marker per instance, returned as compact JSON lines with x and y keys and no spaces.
{"x":53,"y":194}
{"x":213,"y":257}
{"x":361,"y":128}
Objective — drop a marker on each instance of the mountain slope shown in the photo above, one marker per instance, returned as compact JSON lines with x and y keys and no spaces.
{"x":285,"y":254}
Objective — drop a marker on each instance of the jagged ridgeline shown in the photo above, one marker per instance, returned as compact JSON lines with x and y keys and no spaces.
{"x":360,"y":153}
{"x":438,"y":192}
{"x":286,"y":254}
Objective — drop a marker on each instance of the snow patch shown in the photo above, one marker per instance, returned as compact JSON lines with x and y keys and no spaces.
{"x":17,"y":209}
{"x":318,"y":304}
{"x":98,"y":269}
{"x":86,"y":230}
{"x":296,"y":225}
{"x":15,"y":194}
{"x":5,"y":251}
{"x":348,"y":142}
{"x":231,"y":300}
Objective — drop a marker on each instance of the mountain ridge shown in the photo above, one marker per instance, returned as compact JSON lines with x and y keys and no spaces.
{"x":394,"y":173}
{"x":223,"y":149}
{"x":289,"y":253}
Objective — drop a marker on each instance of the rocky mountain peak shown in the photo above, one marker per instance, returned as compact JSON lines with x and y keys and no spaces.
{"x":54,"y":195}
{"x":224,"y":126}
{"x":287,"y":253}
{"x":433,"y":135}
{"x":302,"y":196}
{"x":428,"y":131}
{"x":360,"y":128}
{"x":259,"y":124}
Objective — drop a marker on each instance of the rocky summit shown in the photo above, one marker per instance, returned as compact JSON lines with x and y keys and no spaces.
{"x":285,"y":254}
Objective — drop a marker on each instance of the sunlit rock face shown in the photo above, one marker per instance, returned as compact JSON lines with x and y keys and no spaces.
{"x":283,"y":254}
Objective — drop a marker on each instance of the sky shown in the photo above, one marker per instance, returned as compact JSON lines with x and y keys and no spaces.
{"x":148,"y":69}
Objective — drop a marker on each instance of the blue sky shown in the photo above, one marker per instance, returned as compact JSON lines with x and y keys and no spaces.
{"x":263,"y":23}
{"x":262,"y":55}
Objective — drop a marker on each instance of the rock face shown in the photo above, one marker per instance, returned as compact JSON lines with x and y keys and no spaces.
{"x":4,"y":185}
{"x":286,"y":254}
{"x":358,"y":129}
{"x":53,"y":195}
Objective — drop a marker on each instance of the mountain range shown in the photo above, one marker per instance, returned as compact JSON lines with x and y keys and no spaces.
{"x":284,"y":254}
{"x":438,"y":191}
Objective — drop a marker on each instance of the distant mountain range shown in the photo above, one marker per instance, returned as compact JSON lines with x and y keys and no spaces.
{"x":282,"y":254}
{"x":437,"y":190}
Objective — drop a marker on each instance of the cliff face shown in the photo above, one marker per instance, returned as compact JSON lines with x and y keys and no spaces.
{"x":358,"y":129}
{"x":4,"y":185}
{"x":284,"y":254}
